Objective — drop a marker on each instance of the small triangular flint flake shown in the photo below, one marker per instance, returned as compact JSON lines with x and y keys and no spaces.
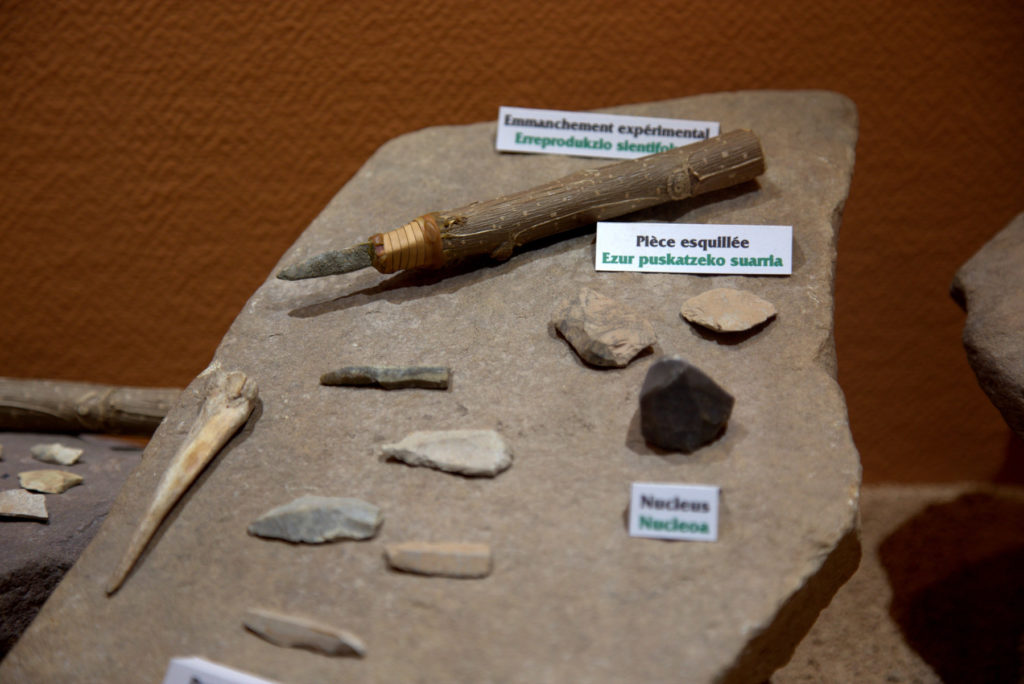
{"x":681,"y":408}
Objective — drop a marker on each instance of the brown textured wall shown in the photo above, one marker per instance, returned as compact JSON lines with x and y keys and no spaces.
{"x":157,"y":158}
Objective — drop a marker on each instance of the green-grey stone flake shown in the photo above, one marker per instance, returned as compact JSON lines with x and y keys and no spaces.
{"x":319,"y":519}
{"x":390,"y":377}
{"x":331,"y":263}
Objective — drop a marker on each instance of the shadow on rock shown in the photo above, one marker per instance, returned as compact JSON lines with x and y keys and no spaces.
{"x":957,"y":576}
{"x":1012,"y":471}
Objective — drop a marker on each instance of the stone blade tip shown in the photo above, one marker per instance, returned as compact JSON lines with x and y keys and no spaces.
{"x":330,"y":263}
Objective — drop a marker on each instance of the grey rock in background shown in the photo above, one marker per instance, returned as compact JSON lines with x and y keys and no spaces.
{"x":576,"y":598}
{"x":990,"y":288}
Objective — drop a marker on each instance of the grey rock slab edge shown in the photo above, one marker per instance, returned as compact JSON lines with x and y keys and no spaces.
{"x":574,"y":598}
{"x":990,"y":288}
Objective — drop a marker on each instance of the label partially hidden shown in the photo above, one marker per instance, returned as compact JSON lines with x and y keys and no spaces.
{"x":587,"y":134}
{"x":200,"y":671}
{"x":694,"y":248}
{"x":674,"y":511}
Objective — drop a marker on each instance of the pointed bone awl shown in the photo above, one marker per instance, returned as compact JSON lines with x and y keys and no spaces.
{"x":230,"y":398}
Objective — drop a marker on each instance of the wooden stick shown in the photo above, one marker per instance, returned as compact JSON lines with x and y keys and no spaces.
{"x":496,"y":227}
{"x":61,"y":406}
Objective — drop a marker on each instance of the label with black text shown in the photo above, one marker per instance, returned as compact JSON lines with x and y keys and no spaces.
{"x":589,"y":134}
{"x":674,"y":511}
{"x":694,"y":248}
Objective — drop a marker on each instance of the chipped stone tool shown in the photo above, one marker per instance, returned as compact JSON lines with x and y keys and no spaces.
{"x":293,"y":631}
{"x":230,"y":398}
{"x":389,"y":377}
{"x":498,"y":226}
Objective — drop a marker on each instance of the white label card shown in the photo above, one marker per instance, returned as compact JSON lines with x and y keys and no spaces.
{"x":587,"y":134}
{"x":200,"y":671}
{"x":694,"y":248}
{"x":674,"y":511}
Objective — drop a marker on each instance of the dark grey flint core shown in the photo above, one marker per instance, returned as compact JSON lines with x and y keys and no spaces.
{"x":681,"y":408}
{"x":389,"y":377}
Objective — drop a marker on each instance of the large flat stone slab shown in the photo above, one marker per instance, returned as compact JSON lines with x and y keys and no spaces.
{"x":990,"y":288}
{"x":571,"y":596}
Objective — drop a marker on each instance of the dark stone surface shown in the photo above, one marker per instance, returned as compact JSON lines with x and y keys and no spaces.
{"x":990,"y":288}
{"x":36,"y":555}
{"x":681,"y":408}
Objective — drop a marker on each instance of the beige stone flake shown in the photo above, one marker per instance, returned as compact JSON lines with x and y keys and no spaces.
{"x":444,"y":559}
{"x":476,"y":453}
{"x":727,"y":310}
{"x":17,"y":503}
{"x":48,"y":481}
{"x":298,"y":632}
{"x":56,"y":453}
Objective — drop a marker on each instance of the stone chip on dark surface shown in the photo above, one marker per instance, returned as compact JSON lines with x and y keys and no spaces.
{"x":681,"y":408}
{"x":18,"y":503}
{"x":49,"y":481}
{"x":56,"y":453}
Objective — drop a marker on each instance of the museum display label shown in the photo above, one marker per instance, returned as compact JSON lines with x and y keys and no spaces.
{"x":694,"y":248}
{"x":199,"y":671}
{"x":674,"y":511}
{"x":586,"y":134}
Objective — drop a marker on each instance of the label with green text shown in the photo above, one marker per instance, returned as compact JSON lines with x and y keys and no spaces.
{"x":589,"y":134}
{"x":674,"y":511}
{"x":694,"y":248}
